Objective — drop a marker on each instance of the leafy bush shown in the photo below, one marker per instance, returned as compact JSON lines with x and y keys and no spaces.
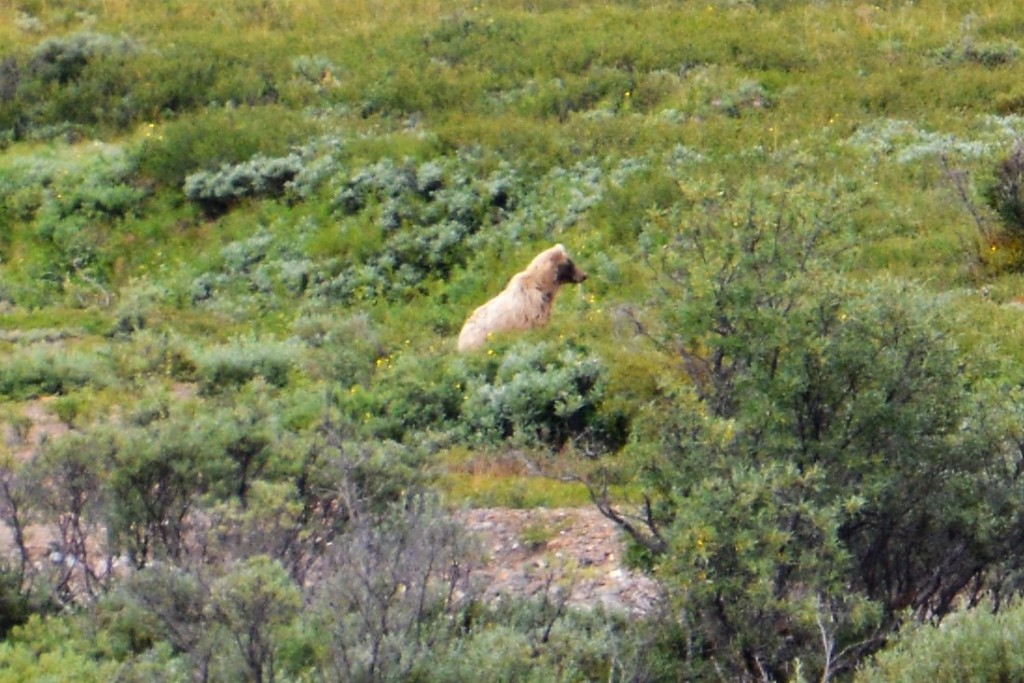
{"x":208,"y":140}
{"x":253,"y":604}
{"x":63,"y":59}
{"x":260,"y":176}
{"x":157,"y":471}
{"x":968,"y":49}
{"x":48,"y":648}
{"x":425,"y":217}
{"x":408,"y":396}
{"x":73,"y":205}
{"x":343,"y":351}
{"x":397,"y":589}
{"x":537,"y":395}
{"x":1005,"y":193}
{"x":541,"y":395}
{"x":821,"y":432}
{"x":76,"y":79}
{"x":975,"y":645}
{"x":39,"y":372}
{"x":231,"y":365}
{"x":18,"y":602}
{"x":259,"y":266}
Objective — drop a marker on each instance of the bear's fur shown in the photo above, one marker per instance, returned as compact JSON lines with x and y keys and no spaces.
{"x":527,"y":300}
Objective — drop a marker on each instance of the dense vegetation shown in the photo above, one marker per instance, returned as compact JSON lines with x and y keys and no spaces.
{"x":238,"y":239}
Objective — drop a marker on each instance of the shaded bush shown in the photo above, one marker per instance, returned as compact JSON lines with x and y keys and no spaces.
{"x":1005,"y":193}
{"x":18,"y":601}
{"x":260,"y":176}
{"x":67,"y":82}
{"x":63,"y":59}
{"x":989,"y":55}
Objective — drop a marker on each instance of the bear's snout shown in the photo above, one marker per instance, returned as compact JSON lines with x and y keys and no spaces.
{"x":569,"y":272}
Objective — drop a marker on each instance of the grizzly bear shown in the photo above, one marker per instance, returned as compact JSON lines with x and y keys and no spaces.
{"x":526,"y":302}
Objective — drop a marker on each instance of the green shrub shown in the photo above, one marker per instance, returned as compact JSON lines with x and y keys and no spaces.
{"x":228,"y":366}
{"x":543,"y":395}
{"x":18,"y":601}
{"x":536,"y":395}
{"x":410,"y":394}
{"x":152,"y":353}
{"x":208,"y":140}
{"x":260,"y":176}
{"x":967,"y":49}
{"x":63,"y":59}
{"x":425,"y":218}
{"x":76,"y":79}
{"x":342,"y":351}
{"x":50,"y":649}
{"x":39,"y":372}
{"x":136,"y":306}
{"x":258,"y":267}
{"x":973,"y":646}
{"x":820,"y":431}
{"x":1005,"y":193}
{"x":252,"y":605}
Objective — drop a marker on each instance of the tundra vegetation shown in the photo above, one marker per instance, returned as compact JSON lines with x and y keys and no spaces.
{"x":238,"y":240}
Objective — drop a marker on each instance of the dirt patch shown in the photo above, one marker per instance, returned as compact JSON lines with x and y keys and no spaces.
{"x":573,"y":550}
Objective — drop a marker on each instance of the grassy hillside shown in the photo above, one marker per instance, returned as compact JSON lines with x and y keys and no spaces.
{"x":238,"y":240}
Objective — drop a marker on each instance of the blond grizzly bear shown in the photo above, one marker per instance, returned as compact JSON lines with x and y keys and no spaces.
{"x":527,"y":300}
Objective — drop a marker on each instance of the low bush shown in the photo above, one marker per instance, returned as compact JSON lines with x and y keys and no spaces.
{"x":260,"y":176}
{"x":529,"y":394}
{"x":37,"y":372}
{"x":543,"y":395}
{"x":341,"y":351}
{"x":206,"y":141}
{"x":231,"y":365}
{"x":75,"y":79}
{"x":976,"y":645}
{"x":425,"y":217}
{"x":63,"y":59}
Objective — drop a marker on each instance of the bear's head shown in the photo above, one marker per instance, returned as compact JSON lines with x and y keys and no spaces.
{"x":565,"y":270}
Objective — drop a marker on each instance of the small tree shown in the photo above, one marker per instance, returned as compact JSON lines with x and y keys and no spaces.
{"x":396,"y":593}
{"x":65,"y":481}
{"x":251,"y":603}
{"x":824,"y":460}
{"x":156,"y":474}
